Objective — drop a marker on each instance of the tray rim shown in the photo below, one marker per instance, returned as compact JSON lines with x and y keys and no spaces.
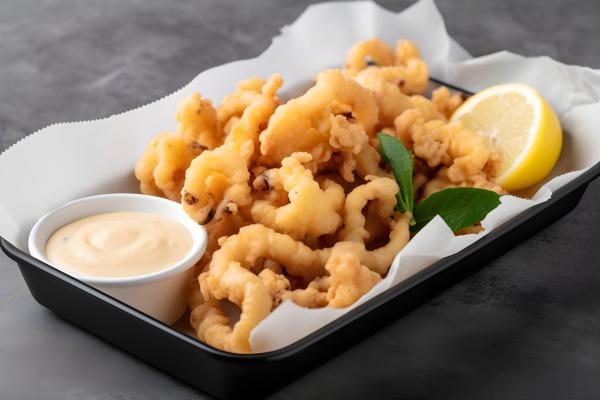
{"x":273,"y":356}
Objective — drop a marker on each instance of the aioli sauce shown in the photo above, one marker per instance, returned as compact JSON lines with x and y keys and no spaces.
{"x":119,"y":244}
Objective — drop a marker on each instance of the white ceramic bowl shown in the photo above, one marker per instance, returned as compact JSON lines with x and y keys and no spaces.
{"x":159,"y":294}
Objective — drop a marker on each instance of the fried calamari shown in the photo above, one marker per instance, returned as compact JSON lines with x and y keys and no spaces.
{"x":295,"y":198}
{"x":311,"y":211}
{"x":161,"y":169}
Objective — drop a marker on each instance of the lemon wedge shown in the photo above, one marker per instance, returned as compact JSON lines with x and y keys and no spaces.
{"x":518,"y":123}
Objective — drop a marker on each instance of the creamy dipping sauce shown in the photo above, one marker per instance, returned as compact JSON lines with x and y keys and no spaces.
{"x":119,"y":244}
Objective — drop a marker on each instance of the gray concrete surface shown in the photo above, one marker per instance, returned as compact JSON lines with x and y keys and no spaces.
{"x":526,"y":326}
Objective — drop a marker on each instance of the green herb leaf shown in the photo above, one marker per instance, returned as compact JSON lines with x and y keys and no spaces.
{"x":398,"y":157}
{"x":459,"y":207}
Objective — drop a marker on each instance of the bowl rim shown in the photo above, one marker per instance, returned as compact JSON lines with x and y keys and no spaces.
{"x":197,"y":231}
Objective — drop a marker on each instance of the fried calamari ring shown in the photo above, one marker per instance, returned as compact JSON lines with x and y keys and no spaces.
{"x":254,"y":120}
{"x":374,"y":50}
{"x":215,"y":179}
{"x":210,"y":323}
{"x":234,"y":104}
{"x":161,"y":169}
{"x":383,"y":190}
{"x":391,"y":84}
{"x":406,"y":50}
{"x":349,"y":280}
{"x":197,"y":122}
{"x":303,"y":124}
{"x":227,"y":224}
{"x":311,"y":211}
{"x":226,"y":278}
{"x":448,"y":144}
{"x":416,"y":70}
{"x":409,"y":75}
{"x":391,"y":101}
{"x":254,"y":242}
{"x":354,"y":234}
{"x":241,"y":287}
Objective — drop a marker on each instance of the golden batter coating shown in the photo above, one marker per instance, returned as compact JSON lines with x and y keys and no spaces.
{"x":234,"y":104}
{"x":445,"y":102}
{"x":214,"y":179}
{"x":197,"y":122}
{"x":349,"y":280}
{"x":303,"y":124}
{"x":448,"y":144}
{"x":352,"y":237}
{"x":313,"y":296}
{"x":311,"y":211}
{"x":241,"y":287}
{"x":256,"y":241}
{"x":243,"y":136}
{"x":161,"y":169}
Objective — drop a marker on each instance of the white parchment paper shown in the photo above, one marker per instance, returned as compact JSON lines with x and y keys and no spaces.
{"x":66,"y":161}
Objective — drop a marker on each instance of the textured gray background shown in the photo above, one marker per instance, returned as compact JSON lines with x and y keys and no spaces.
{"x":526,"y":326}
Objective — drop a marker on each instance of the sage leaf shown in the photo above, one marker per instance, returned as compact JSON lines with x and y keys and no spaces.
{"x":399,"y":158}
{"x":459,"y":207}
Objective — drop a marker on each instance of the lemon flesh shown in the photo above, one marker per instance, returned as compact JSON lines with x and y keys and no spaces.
{"x":518,"y":123}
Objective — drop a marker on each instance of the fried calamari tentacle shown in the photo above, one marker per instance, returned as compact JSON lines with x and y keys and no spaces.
{"x":446,"y":103}
{"x":256,"y":241}
{"x":214,"y":179}
{"x":197,"y":122}
{"x":349,"y":280}
{"x":241,"y":287}
{"x":303,"y":124}
{"x":312,"y":211}
{"x":369,"y":50}
{"x":234,"y":104}
{"x":449,"y":144}
{"x":161,"y":169}
{"x":254,"y":120}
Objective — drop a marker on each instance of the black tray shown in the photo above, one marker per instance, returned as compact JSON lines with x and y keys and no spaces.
{"x":228,"y":375}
